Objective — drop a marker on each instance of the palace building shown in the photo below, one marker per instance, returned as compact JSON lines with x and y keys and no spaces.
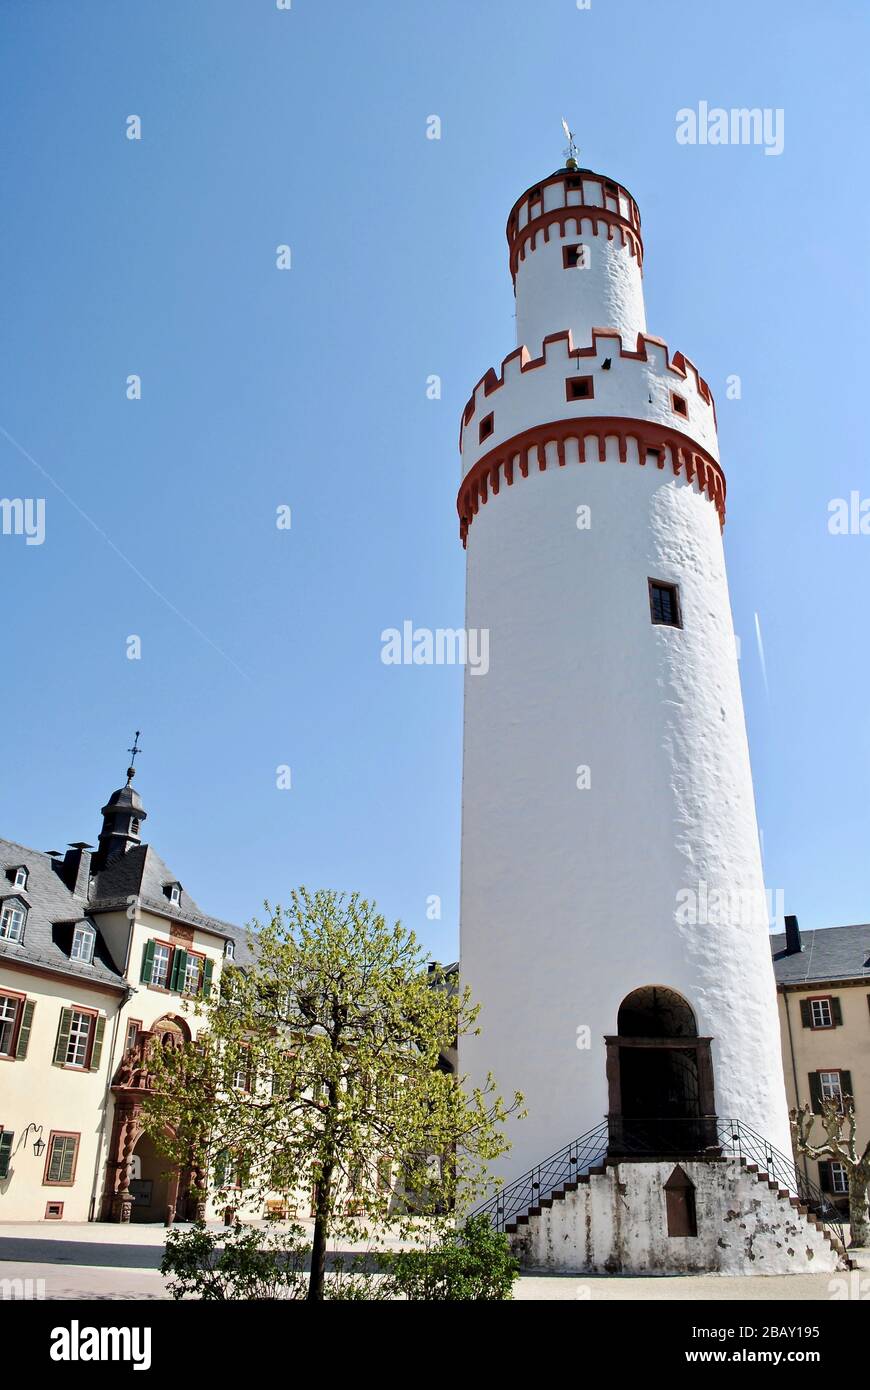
{"x":101,"y":949}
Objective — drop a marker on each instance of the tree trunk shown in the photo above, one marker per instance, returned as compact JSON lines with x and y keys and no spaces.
{"x":321,"y":1230}
{"x":859,"y":1219}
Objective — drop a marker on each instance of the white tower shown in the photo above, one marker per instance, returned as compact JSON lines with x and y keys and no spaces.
{"x":613,"y":919}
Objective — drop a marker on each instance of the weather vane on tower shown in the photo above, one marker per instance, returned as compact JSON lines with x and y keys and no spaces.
{"x":133,"y":751}
{"x":572,"y":151}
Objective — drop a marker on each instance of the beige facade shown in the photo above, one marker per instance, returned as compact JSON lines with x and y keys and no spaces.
{"x":65,"y":1087}
{"x":101,"y":954}
{"x":823,"y":995}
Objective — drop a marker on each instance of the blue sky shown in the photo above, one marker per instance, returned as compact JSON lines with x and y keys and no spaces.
{"x":307,"y":388}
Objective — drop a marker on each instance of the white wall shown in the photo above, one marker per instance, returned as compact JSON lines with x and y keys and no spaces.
{"x":569,"y":897}
{"x":617,"y":1224}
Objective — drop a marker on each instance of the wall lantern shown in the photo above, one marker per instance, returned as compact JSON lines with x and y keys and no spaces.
{"x":39,"y":1142}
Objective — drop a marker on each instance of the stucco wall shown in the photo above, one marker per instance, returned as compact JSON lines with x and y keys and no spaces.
{"x":842,"y":1048}
{"x":617,"y":1224}
{"x":35,"y":1090}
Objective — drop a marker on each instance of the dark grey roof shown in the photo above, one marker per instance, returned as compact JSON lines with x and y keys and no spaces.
{"x":53,"y":908}
{"x":832,"y":953}
{"x":242,"y":953}
{"x":52,"y":911}
{"x":142,"y":874}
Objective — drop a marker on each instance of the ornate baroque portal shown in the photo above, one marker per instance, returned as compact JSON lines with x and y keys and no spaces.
{"x":140,"y":1186}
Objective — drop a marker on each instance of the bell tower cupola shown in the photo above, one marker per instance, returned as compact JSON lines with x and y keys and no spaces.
{"x":123,"y":815}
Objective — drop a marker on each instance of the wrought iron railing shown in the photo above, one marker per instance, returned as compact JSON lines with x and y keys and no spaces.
{"x":546,"y":1178}
{"x":623,"y":1138}
{"x":738,"y":1139}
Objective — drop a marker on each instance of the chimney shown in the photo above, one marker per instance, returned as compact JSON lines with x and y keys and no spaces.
{"x":76,"y":868}
{"x":793,"y":946}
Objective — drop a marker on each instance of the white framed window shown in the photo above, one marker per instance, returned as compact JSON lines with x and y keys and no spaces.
{"x":839,"y":1178}
{"x":8,"y":1019}
{"x":12,"y":922}
{"x":829,"y":1083}
{"x":821,"y":1013}
{"x":160,"y":964}
{"x":84,"y":939}
{"x":193,"y":974}
{"x":20,"y":879}
{"x":229,"y":950}
{"x":79,"y":1038}
{"x":132,"y":1033}
{"x":242,"y":1071}
{"x":175,"y":894}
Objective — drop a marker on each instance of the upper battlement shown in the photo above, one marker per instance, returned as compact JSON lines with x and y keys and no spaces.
{"x":576,"y":258}
{"x":572,"y":190}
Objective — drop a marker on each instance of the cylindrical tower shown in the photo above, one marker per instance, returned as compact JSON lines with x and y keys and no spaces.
{"x":613,"y":918}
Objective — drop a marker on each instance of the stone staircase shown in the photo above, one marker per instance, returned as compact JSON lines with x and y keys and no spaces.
{"x":612,"y":1219}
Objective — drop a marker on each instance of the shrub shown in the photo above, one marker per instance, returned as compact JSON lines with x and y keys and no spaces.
{"x":474,"y":1262}
{"x":241,"y":1262}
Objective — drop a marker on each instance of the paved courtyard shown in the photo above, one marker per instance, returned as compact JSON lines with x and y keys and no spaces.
{"x":96,"y":1261}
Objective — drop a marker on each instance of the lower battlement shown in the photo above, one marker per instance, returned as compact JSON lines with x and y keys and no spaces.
{"x":588,"y":440}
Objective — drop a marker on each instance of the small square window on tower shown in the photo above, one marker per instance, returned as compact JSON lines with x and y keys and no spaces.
{"x":487,"y":425}
{"x":575,"y":257}
{"x":679,"y":405}
{"x":579,"y":388}
{"x":664,"y":603}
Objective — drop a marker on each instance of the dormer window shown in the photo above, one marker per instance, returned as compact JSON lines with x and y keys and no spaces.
{"x":19,"y":877}
{"x":229,"y":950}
{"x":83,"y":942}
{"x":12,"y":920}
{"x":173,"y":892}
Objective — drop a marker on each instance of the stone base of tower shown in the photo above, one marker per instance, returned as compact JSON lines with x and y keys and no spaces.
{"x":634,"y":1217}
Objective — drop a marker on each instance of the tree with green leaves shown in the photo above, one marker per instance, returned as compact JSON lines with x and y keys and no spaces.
{"x":319,"y":1071}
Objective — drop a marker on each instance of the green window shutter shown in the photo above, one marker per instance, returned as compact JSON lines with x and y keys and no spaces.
{"x":147,"y":963}
{"x":846,"y":1085}
{"x":6,"y":1137}
{"x":24,"y":1030}
{"x":97,"y":1048}
{"x":61,"y":1163}
{"x":179,"y":965}
{"x":837,"y":1013}
{"x":62,"y":1040}
{"x":806,"y":1014}
{"x":220,"y":1168}
{"x":207,"y":972}
{"x":825,"y":1177}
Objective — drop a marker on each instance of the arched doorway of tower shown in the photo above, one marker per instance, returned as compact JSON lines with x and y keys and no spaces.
{"x":660,"y":1077}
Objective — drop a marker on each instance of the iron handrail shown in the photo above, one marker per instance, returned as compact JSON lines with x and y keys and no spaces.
{"x":734,"y":1139}
{"x":545,"y":1178}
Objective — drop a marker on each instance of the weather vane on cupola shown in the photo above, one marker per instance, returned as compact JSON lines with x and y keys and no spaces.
{"x":572,"y":151}
{"x":131,"y":770}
